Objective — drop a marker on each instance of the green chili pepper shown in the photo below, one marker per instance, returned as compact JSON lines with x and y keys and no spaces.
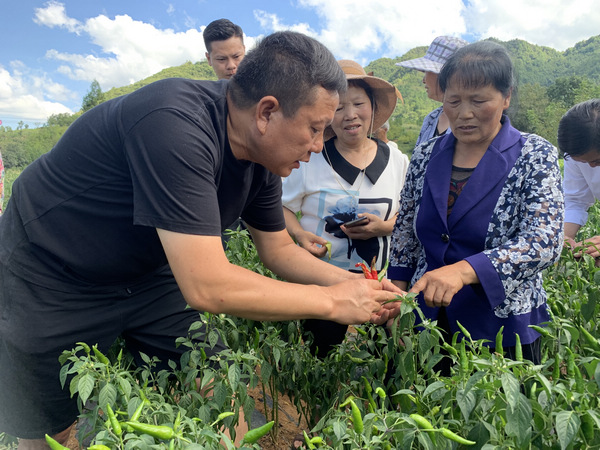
{"x":383,"y":271}
{"x":138,"y":412}
{"x":499,"y":349}
{"x":101,"y":357}
{"x":422,"y":422}
{"x":85,"y":347}
{"x":542,"y":330}
{"x":455,"y":437}
{"x":379,"y":391}
{"x":328,"y":247}
{"x":360,"y":330}
{"x":570,"y":362}
{"x":518,"y":348}
{"x":556,"y":371}
{"x":579,"y":383}
{"x":114,"y":423}
{"x":545,"y":356}
{"x":98,"y":447}
{"x":347,"y":401}
{"x":256,"y":339}
{"x":368,"y":390}
{"x":254,"y":435}
{"x":386,"y":359}
{"x":218,"y":419}
{"x":356,"y":360}
{"x":591,"y":340}
{"x":368,"y":387}
{"x":464,"y":359}
{"x":158,"y":431}
{"x":533,"y":391}
{"x":451,"y":350}
{"x":356,"y":418}
{"x":310,"y":445}
{"x":316,"y":440}
{"x":464,"y":331}
{"x":54,"y":445}
{"x":587,"y":427}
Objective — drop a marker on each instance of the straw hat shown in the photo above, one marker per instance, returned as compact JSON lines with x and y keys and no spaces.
{"x":437,"y":54}
{"x":385,"y":94}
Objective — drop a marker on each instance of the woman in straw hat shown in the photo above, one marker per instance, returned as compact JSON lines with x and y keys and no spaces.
{"x":435,"y":123}
{"x":355,"y":176}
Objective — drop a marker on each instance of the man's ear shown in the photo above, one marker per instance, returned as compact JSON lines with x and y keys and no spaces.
{"x":208,"y":58}
{"x":265,"y":109}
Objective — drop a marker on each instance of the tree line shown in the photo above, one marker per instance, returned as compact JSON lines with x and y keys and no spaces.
{"x":549,"y":83}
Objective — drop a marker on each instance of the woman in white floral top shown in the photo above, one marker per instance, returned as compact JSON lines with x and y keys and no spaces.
{"x":482,"y":210}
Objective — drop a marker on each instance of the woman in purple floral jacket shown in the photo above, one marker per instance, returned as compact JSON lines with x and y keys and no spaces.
{"x":482,"y":210}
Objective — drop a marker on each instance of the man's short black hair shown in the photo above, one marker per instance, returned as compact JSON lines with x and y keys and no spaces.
{"x":221,"y":30}
{"x":289,"y":66}
{"x":579,"y":129}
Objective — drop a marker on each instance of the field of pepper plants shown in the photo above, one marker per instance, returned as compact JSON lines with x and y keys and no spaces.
{"x":378,"y":391}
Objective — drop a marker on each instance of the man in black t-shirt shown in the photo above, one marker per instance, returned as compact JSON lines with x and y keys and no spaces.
{"x":117,"y":229}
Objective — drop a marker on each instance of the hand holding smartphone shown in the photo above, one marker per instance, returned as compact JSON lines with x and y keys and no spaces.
{"x":356,"y":222}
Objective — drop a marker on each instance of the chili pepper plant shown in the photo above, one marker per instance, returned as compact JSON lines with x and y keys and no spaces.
{"x":399,"y":399}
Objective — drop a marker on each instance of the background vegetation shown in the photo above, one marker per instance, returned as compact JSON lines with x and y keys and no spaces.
{"x":549,"y":82}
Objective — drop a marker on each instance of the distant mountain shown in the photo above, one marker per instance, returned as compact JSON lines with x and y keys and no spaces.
{"x":196,"y":71}
{"x":549,"y":82}
{"x":533,"y":63}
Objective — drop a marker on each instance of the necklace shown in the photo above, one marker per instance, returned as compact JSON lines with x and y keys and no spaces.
{"x":364,"y":171}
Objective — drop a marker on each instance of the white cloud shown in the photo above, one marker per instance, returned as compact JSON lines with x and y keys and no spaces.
{"x":559,"y":24}
{"x":357,"y":30}
{"x":23,"y":96}
{"x":55,"y":15}
{"x":134,"y":50}
{"x":127,"y":50}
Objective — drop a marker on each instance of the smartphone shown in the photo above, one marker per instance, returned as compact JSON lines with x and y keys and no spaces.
{"x":356,"y":222}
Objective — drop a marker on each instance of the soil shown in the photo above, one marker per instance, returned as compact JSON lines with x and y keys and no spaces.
{"x":289,"y":424}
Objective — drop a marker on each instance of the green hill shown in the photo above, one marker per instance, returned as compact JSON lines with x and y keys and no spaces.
{"x":549,"y":82}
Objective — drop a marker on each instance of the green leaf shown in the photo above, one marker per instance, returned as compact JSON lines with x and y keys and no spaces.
{"x":125,"y":386}
{"x":64,"y":373}
{"x":233,"y":374}
{"x":588,"y":307}
{"x":213,"y":338}
{"x":474,"y":379}
{"x":512,"y":389}
{"x":220,"y":394}
{"x":466,"y":402}
{"x":85,"y":386}
{"x":265,"y":371}
{"x":276,"y":355}
{"x":567,"y":425}
{"x":107,"y":395}
{"x":518,"y":420}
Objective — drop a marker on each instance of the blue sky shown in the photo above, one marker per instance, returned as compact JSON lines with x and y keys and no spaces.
{"x":51,"y":51}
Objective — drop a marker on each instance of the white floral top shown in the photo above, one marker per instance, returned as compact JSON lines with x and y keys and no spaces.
{"x":507,"y":223}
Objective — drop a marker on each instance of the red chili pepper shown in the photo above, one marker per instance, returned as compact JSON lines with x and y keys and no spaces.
{"x":365,"y":270}
{"x":374,"y":268}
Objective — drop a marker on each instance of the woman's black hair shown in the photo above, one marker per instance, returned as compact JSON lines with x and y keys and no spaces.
{"x":579,"y":129}
{"x":482,"y":63}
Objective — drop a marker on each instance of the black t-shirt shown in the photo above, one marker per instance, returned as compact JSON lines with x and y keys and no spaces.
{"x":86,"y":212}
